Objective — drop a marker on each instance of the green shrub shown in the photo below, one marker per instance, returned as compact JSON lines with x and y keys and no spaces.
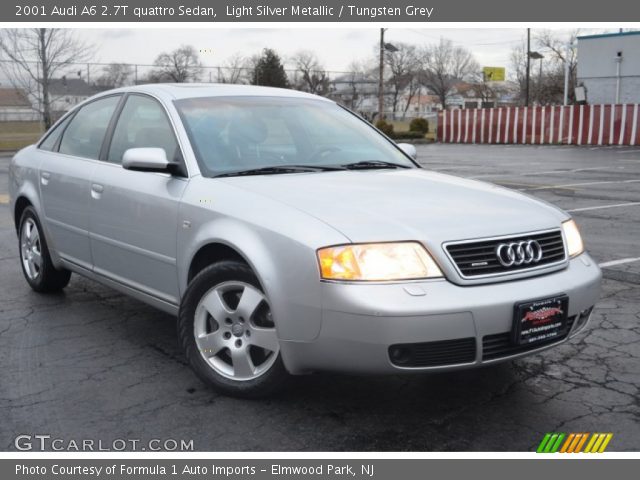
{"x":385,"y":127}
{"x":407,"y":135}
{"x":419,"y":125}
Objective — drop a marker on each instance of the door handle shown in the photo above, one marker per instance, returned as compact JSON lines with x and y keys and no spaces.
{"x":96,"y":191}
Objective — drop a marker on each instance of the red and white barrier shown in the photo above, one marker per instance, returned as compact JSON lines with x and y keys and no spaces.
{"x":570,"y":125}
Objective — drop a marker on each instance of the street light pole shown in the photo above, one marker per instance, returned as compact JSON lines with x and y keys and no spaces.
{"x":566,"y":75}
{"x":381,"y":79}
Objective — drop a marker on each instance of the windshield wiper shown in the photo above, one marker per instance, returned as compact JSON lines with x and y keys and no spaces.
{"x":372,"y":164}
{"x":279,"y":169}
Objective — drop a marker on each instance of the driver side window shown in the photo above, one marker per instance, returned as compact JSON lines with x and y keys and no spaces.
{"x":143,"y":123}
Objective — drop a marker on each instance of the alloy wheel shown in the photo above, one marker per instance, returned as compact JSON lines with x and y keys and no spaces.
{"x":234,"y":331}
{"x":31,"y":249}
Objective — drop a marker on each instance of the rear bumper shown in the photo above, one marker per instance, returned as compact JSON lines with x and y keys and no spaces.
{"x":361,"y":323}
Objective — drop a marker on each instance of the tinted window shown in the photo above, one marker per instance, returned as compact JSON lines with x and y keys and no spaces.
{"x":84,"y":135}
{"x":231,"y":134}
{"x":50,"y":141}
{"x":142,"y":123}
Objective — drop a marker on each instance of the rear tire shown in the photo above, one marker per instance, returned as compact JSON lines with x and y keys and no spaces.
{"x":227,"y":333}
{"x":35,"y":260}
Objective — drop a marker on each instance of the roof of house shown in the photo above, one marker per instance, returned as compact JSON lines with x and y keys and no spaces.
{"x":71,"y":86}
{"x":13,"y":97}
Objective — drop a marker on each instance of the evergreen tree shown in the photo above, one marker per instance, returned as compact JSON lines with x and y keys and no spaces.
{"x":269,"y":71}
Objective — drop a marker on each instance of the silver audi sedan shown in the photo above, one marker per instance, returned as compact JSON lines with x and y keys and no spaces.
{"x":290,"y":236}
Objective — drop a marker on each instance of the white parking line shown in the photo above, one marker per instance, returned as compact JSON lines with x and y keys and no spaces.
{"x":618,"y":262}
{"x":548,"y":187}
{"x":600,"y":207}
{"x":547,"y":172}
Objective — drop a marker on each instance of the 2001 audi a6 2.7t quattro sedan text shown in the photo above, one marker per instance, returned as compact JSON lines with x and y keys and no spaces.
{"x":290,"y":236}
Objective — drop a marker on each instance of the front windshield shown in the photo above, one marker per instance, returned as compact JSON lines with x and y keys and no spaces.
{"x":235,"y":134}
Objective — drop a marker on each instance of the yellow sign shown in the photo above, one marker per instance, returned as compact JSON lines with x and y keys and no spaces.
{"x":493,"y":74}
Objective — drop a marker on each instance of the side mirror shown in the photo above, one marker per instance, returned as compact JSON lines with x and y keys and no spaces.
{"x":409,"y":150}
{"x":146,"y":160}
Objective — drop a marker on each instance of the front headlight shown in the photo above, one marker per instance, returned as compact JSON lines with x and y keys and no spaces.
{"x":575,"y":246}
{"x":377,"y":262}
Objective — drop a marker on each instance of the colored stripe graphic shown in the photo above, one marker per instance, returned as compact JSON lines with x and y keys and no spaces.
{"x":578,"y":448}
{"x":574,"y":442}
{"x":543,"y":443}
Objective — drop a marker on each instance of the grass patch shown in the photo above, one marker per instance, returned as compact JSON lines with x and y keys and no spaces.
{"x":16,"y":135}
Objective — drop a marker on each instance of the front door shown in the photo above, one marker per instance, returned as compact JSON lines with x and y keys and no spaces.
{"x":133,"y":214}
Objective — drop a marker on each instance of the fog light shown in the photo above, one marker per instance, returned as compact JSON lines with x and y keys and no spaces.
{"x":399,"y":355}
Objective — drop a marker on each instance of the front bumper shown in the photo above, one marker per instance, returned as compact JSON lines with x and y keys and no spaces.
{"x":360,"y":322}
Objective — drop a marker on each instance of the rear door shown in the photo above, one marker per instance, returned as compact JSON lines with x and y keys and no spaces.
{"x":134,"y":214}
{"x":69,"y":155}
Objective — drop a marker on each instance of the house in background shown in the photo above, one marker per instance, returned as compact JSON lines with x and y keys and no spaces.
{"x":66,"y":93}
{"x":422,"y":105}
{"x":471,"y":95}
{"x":356,"y":91}
{"x":15,"y":106}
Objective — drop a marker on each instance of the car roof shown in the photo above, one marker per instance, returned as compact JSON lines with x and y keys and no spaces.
{"x":175,"y":91}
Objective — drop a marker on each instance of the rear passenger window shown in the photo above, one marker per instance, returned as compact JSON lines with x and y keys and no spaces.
{"x":52,"y":138}
{"x":84,"y":135}
{"x":142,"y":123}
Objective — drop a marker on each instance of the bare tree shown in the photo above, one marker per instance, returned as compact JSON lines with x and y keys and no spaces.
{"x":559,"y":50}
{"x":546,"y":77}
{"x":179,"y":66}
{"x":115,"y":75}
{"x":403,"y":66}
{"x":518,"y":61}
{"x":233,"y":69}
{"x":359,"y":83}
{"x":33,"y":57}
{"x":313,"y":77}
{"x":444,"y":65}
{"x":251,"y":64}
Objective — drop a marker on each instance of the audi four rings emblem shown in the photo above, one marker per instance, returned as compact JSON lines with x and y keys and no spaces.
{"x":519,"y":253}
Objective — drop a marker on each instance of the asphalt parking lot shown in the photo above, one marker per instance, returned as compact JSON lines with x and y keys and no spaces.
{"x":94,"y":364}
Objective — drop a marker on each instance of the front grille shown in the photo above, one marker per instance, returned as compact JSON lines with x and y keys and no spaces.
{"x":500,"y":344}
{"x":478,"y":258}
{"x":433,"y":354}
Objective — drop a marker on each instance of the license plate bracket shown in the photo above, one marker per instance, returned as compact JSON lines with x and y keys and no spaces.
{"x":540,"y":321}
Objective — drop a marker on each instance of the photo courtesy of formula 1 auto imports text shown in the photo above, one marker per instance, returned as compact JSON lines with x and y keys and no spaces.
{"x":332,"y":239}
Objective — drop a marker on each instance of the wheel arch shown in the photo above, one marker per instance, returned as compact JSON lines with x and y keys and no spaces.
{"x":211,"y":253}
{"x":285,"y":268}
{"x":22,"y":202}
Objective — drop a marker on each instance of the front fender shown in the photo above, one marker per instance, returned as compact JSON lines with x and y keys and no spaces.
{"x":286,"y":269}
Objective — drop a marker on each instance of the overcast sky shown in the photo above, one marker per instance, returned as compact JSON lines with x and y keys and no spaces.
{"x":336,"y":47}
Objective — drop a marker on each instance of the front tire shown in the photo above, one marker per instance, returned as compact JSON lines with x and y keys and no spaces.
{"x":227,"y":332}
{"x":35,"y":260}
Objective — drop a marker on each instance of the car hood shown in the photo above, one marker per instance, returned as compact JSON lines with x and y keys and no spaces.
{"x":415,"y":204}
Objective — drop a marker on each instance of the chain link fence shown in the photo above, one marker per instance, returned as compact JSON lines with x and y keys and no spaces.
{"x":21,"y":95}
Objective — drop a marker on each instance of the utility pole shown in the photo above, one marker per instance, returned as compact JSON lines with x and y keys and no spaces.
{"x":565,"y":101}
{"x":526,"y":100}
{"x":381,"y":79}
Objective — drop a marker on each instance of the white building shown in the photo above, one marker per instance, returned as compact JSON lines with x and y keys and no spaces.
{"x":66,"y":93}
{"x":609,"y":67}
{"x":15,"y":106}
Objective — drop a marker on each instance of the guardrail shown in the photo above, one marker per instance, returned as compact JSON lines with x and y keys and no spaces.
{"x":548,"y":125}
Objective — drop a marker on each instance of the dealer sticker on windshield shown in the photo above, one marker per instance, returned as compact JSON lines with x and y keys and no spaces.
{"x":540,"y":321}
